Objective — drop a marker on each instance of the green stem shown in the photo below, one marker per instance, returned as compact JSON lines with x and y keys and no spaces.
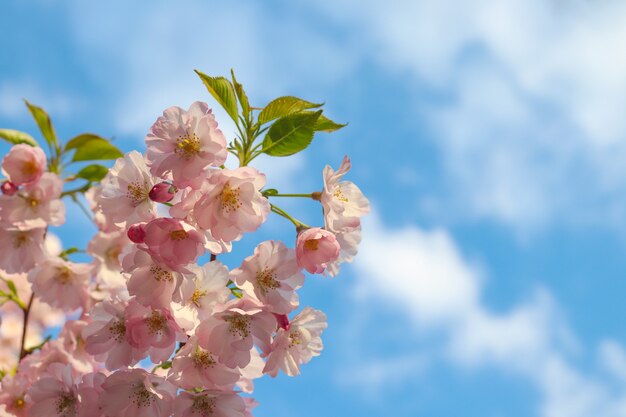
{"x":310,"y":195}
{"x":286,"y":215}
{"x":76,"y":190}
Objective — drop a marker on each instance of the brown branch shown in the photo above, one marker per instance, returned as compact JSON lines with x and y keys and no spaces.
{"x":24,"y":352}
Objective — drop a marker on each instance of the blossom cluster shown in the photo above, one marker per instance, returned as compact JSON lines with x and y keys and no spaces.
{"x":154,"y":324}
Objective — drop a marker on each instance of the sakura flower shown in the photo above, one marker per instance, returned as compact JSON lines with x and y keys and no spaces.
{"x":209,"y":404}
{"x":20,"y":250}
{"x":194,"y":367}
{"x":136,"y":393}
{"x":103,"y":222}
{"x":54,"y":394}
{"x":124,"y":196}
{"x":316,"y":247}
{"x":61,"y":283}
{"x":12,"y":394}
{"x":342,"y":200}
{"x":150,"y":283}
{"x":232,"y":333}
{"x":36,"y":205}
{"x":106,"y":336}
{"x":272,"y":276}
{"x":106,"y":249}
{"x":349,"y":243}
{"x":8,"y":188}
{"x":24,"y":164}
{"x":202,"y":290}
{"x":163,"y":192}
{"x":173,"y":243}
{"x":232,"y":204}
{"x":152,"y":330}
{"x":185,"y":144}
{"x":297,"y":345}
{"x":89,"y":391}
{"x":137,"y":232}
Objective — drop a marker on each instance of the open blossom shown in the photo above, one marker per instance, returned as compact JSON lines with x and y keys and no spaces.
{"x":185,"y":144}
{"x":194,"y":367}
{"x":210,"y":404}
{"x":136,"y":393}
{"x":151,"y":284}
{"x":13,"y":394}
{"x":152,"y":330}
{"x":124,"y":196}
{"x":24,"y":164}
{"x":173,"y":243}
{"x":106,"y":336}
{"x":297,"y":345}
{"x":202,"y":290}
{"x":89,"y":391}
{"x":20,"y":250}
{"x":61,"y":283}
{"x":343,"y":202}
{"x":316,"y":247}
{"x":106,"y":249}
{"x":272,"y":276}
{"x":349,"y":241}
{"x":232,"y":333}
{"x":38,"y":204}
{"x":54,"y":394}
{"x":232,"y":203}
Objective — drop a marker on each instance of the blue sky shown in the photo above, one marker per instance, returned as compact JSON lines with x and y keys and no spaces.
{"x":489,"y":135}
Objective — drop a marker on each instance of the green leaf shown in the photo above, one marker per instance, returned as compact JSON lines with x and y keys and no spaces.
{"x":324,"y":124}
{"x":290,"y":134}
{"x":284,"y":106}
{"x":93,"y":172}
{"x":241,"y":95}
{"x":222,"y":90}
{"x":15,"y":137}
{"x":12,"y":287}
{"x":91,"y":148}
{"x":44,"y":123}
{"x":269,"y":192}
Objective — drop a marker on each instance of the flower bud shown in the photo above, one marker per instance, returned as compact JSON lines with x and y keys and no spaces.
{"x":137,"y":233}
{"x":282,"y":320}
{"x":8,"y":188}
{"x":315,"y":248}
{"x":163,"y":192}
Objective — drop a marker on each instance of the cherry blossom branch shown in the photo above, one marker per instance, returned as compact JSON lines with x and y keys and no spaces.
{"x":23,"y":351}
{"x":310,"y":195}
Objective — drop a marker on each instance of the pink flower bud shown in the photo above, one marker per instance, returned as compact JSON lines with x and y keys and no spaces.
{"x":315,"y":248}
{"x":282,"y":320}
{"x":24,"y":164}
{"x":8,"y":188}
{"x":137,"y":232}
{"x":163,"y":192}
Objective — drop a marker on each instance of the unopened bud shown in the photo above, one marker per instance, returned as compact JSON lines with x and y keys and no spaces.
{"x":282,"y":320}
{"x":163,"y":192}
{"x":8,"y":188}
{"x":136,"y":233}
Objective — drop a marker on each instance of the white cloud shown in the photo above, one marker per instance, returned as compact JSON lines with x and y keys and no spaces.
{"x":424,"y":274}
{"x":13,"y":93}
{"x":532,"y":127}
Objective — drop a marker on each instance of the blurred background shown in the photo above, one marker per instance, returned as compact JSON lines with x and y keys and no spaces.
{"x":489,"y":135}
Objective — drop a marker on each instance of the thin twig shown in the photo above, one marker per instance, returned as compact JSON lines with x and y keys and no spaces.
{"x":23,"y":352}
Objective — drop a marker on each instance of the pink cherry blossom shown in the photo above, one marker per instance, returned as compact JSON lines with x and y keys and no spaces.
{"x":89,"y":391}
{"x":296,"y":346}
{"x":194,"y":367}
{"x":272,"y":276}
{"x":54,"y":394}
{"x":202,"y":290}
{"x":20,"y":250}
{"x":209,"y":404}
{"x":24,"y":164}
{"x":152,"y":284}
{"x":163,"y":192}
{"x":349,"y":243}
{"x":316,"y":247}
{"x":106,"y":249}
{"x":185,"y":143}
{"x":61,"y":283}
{"x":38,"y":204}
{"x":173,"y":243}
{"x":232,"y":204}
{"x":152,"y":330}
{"x":13,"y":392}
{"x":342,"y":200}
{"x":232,"y":333}
{"x":106,"y":336}
{"x":124,"y":196}
{"x":136,"y":393}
